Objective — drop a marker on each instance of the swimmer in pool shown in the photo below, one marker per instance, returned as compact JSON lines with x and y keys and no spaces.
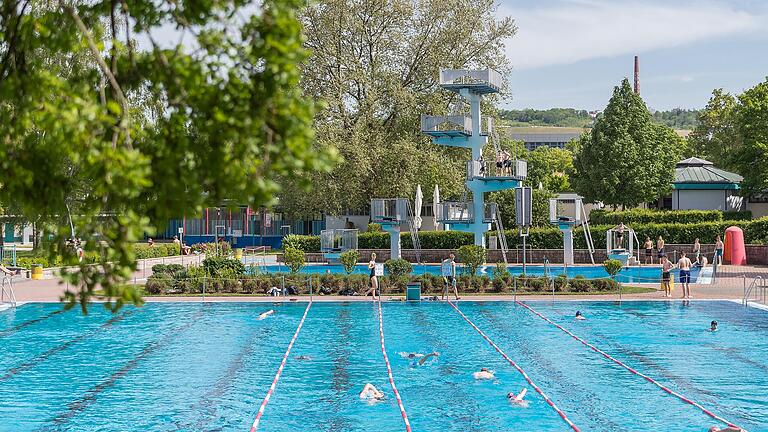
{"x":422,"y":357}
{"x":579,"y":316}
{"x":265,"y":314}
{"x":728,"y":429}
{"x":518,"y":399}
{"x":303,"y":357}
{"x":371,"y":393}
{"x":483,"y":374}
{"x":713,"y":326}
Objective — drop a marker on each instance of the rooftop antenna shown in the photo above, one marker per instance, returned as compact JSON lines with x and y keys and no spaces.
{"x":637,"y":75}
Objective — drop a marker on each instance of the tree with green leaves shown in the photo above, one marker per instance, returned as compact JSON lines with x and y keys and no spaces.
{"x":716,"y":138}
{"x":374,"y":67}
{"x":104,"y":141}
{"x":752,"y":124}
{"x":539,"y":206}
{"x":625,"y":160}
{"x":550,"y":167}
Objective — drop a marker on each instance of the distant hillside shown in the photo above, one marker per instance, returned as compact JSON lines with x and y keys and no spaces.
{"x":677,"y":118}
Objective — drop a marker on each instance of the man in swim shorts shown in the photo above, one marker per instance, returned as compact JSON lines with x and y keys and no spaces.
{"x":685,"y":264}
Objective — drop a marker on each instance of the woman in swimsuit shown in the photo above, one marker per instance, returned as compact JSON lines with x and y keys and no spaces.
{"x":374,"y":282}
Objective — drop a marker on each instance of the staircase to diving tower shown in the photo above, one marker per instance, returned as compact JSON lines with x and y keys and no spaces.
{"x":467,"y":131}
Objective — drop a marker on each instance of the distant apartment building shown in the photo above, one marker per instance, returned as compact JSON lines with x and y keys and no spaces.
{"x":544,"y":136}
{"x":553,"y":136}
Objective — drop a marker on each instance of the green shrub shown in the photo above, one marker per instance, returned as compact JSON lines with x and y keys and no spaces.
{"x":398,"y":268}
{"x":306,"y":243}
{"x":612,"y":267}
{"x":373,"y":227}
{"x":737,"y":215}
{"x":500,"y":271}
{"x":158,"y":250}
{"x":349,"y":260}
{"x":472,"y":257}
{"x":294,"y":259}
{"x":373,"y":240}
{"x":220,"y":267}
{"x":647,"y":216}
{"x":438,"y":239}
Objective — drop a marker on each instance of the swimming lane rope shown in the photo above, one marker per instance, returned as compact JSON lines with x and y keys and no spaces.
{"x":618,"y":362}
{"x":389,"y":372}
{"x":519,"y":369}
{"x":279,"y":371}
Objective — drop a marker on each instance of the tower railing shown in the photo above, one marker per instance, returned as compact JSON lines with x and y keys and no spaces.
{"x":455,"y":212}
{"x":511,"y":169}
{"x":389,"y":210}
{"x":448,"y":125}
{"x":487,"y":79}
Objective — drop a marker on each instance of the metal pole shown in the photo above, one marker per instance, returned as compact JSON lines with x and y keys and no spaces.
{"x":524,"y":254}
{"x":515,"y":289}
{"x":553,"y":290}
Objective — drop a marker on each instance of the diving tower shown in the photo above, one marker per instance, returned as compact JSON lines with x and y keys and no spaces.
{"x":391,"y":214}
{"x":334,"y":242}
{"x":472,"y":131}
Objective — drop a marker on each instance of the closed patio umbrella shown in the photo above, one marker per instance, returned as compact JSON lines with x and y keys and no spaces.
{"x":417,"y":205}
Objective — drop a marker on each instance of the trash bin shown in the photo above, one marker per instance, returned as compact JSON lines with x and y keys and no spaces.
{"x":413,"y":291}
{"x":37,"y":271}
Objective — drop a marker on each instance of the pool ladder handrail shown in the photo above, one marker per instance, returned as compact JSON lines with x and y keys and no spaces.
{"x":7,"y":290}
{"x":758,"y":283}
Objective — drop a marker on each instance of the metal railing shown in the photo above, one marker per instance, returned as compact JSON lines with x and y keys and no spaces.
{"x":470,"y":77}
{"x":446,"y":125}
{"x":455,"y":212}
{"x":758,"y":284}
{"x":6,"y":292}
{"x":389,"y":210}
{"x":338,"y":240}
{"x":511,"y":169}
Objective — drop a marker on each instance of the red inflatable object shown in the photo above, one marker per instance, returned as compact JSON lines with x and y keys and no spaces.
{"x":734,"y":253}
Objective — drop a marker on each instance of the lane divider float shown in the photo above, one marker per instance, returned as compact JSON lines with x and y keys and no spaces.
{"x":389,"y":372}
{"x":629,"y":368}
{"x":271,"y":390}
{"x":519,"y":369}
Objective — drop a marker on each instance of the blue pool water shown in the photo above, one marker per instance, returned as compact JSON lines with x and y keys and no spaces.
{"x":206,"y":367}
{"x":627,"y":274}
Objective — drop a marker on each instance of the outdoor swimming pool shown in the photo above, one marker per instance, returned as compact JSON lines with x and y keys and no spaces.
{"x":194,"y":367}
{"x":647,"y":274}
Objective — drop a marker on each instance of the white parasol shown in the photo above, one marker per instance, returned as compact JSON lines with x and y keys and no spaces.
{"x":417,"y":205}
{"x":435,"y":205}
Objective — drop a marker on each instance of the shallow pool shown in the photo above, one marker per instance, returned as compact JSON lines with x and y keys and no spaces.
{"x":626,"y":275}
{"x":206,"y":367}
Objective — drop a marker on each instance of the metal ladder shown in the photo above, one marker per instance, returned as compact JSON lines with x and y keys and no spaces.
{"x":7,"y":291}
{"x":588,"y":235}
{"x":414,"y":232}
{"x":758,"y":283}
{"x":500,"y":234}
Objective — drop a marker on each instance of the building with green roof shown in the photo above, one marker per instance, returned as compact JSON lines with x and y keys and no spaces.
{"x":699,"y":185}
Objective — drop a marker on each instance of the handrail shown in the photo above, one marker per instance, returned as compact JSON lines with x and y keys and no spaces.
{"x":7,"y":282}
{"x":753,"y":285}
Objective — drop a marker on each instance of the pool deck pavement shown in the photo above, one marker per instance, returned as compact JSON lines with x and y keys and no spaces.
{"x":729,"y":284}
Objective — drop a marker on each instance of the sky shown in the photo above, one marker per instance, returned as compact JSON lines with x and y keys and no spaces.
{"x":571,"y":53}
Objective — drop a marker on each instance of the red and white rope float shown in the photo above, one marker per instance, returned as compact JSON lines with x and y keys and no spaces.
{"x":618,"y":362}
{"x":389,"y":372}
{"x":279,"y":371}
{"x":519,"y":369}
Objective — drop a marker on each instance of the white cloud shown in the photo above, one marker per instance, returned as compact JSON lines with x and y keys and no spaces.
{"x":579,"y":30}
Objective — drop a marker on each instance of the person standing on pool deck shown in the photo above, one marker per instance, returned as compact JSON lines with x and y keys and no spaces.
{"x":666,"y":268}
{"x":660,"y":247}
{"x":448,"y":270}
{"x":620,"y":235}
{"x":685,"y":264}
{"x":374,"y":281}
{"x":697,"y":249}
{"x":648,"y":250}
{"x":718,"y":251}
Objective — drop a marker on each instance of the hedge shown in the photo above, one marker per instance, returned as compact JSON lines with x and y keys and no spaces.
{"x":334,"y":284}
{"x":755,"y":232}
{"x":648,"y":216}
{"x":158,"y":250}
